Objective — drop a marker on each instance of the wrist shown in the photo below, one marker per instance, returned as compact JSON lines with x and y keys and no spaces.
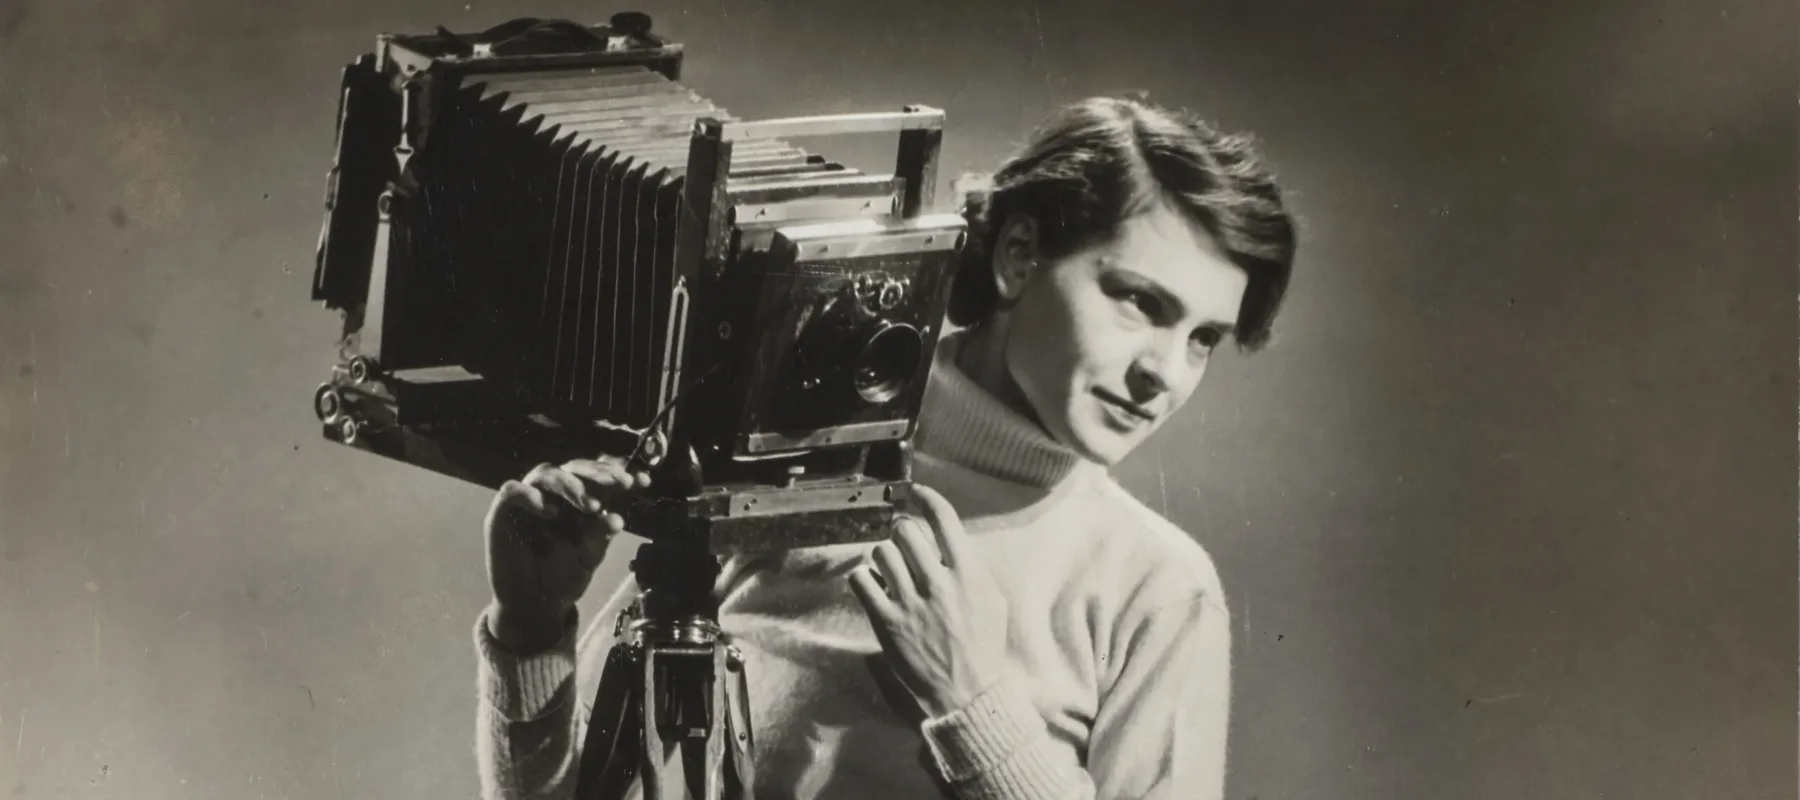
{"x":527,"y":631}
{"x":960,"y":695}
{"x":991,"y":742}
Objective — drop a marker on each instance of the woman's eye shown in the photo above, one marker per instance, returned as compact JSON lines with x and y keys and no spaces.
{"x":1141,"y":303}
{"x":1207,"y":338}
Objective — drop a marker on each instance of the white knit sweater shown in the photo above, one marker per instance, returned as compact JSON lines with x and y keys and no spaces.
{"x":1119,"y":641}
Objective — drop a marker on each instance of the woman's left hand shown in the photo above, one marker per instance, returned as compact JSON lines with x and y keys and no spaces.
{"x":936,"y":610}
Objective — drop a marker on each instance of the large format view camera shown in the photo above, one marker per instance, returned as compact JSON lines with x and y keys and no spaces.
{"x":546,"y":247}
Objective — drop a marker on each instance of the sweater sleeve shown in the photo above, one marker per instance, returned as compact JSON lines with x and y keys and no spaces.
{"x":531,"y":711}
{"x":1159,"y":733}
{"x":1161,"y":729}
{"x":526,"y":722}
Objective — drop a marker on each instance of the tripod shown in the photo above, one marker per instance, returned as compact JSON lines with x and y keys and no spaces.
{"x":672,"y":705}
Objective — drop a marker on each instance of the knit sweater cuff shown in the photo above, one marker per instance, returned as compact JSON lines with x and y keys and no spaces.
{"x":524,"y":688}
{"x":993,"y":746}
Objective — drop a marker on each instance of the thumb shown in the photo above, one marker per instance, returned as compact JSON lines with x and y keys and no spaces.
{"x":942,"y":518}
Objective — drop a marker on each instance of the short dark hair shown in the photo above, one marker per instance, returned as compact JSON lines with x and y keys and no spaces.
{"x":1097,"y":162}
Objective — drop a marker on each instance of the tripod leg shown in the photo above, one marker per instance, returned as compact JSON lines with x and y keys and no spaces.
{"x":690,"y":691}
{"x":740,"y":745}
{"x":667,"y":706}
{"x":717,"y":731}
{"x":609,"y":754}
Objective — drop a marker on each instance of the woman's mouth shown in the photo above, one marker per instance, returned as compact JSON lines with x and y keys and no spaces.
{"x":1128,"y":412}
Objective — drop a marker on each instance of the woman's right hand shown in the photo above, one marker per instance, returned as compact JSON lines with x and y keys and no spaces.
{"x":546,"y":534}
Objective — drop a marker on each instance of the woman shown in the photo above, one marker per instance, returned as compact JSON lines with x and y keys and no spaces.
{"x":1049,"y":636}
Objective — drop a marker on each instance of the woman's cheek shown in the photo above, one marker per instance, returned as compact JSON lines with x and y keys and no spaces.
{"x":1107,"y":335}
{"x":1098,"y":318}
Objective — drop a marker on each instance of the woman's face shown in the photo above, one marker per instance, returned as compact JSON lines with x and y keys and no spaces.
{"x":1106,"y":344}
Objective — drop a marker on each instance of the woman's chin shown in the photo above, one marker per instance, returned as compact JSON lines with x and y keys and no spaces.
{"x":1100,"y":444}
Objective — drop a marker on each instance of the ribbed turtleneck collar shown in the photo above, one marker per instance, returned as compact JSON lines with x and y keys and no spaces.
{"x":963,"y":423}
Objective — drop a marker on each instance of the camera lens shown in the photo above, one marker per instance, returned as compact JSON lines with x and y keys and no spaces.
{"x":887,"y":362}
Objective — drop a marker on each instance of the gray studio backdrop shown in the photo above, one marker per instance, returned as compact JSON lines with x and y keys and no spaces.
{"x":1507,"y":512}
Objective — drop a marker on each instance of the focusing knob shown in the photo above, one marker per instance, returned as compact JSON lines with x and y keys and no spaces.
{"x":362,"y":368}
{"x":327,"y":403}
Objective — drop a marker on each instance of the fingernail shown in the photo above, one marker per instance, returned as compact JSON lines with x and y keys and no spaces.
{"x":593,"y":505}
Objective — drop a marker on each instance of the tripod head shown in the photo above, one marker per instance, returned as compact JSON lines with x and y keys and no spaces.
{"x":672,"y":703}
{"x":675,"y":576}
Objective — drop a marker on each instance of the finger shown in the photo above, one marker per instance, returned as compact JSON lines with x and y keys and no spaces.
{"x":607,"y":474}
{"x":598,"y":530}
{"x":601,"y":481}
{"x":875,"y":601}
{"x":519,"y":495}
{"x":943,"y":519}
{"x":594,"y":539}
{"x":921,"y":551}
{"x":894,"y":569}
{"x":556,"y":482}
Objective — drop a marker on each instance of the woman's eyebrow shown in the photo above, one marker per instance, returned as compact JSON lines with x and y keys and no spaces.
{"x":1176,"y":308}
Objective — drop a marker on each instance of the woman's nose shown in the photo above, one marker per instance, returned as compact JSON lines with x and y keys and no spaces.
{"x":1151,"y":372}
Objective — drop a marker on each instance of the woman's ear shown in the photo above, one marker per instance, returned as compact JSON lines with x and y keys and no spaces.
{"x":1015,"y":257}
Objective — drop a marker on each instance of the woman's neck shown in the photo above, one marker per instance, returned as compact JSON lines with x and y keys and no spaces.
{"x":982,"y":357}
{"x":968,"y":424}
